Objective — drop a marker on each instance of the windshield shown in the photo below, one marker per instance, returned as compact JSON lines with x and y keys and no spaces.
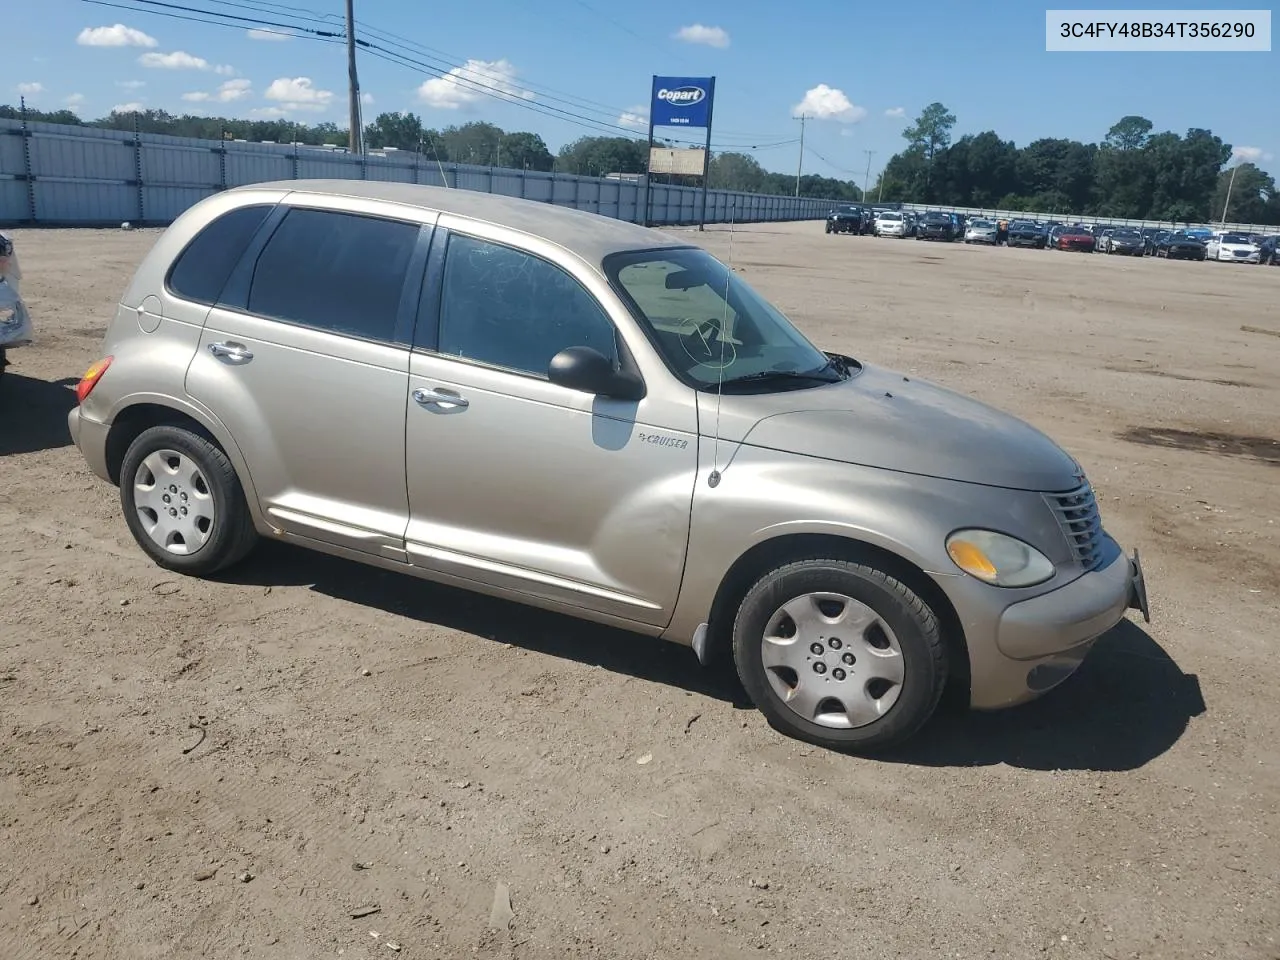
{"x":890,"y":216}
{"x":1126,"y":235}
{"x":709,"y":325}
{"x":980,"y":223}
{"x":1235,"y":238}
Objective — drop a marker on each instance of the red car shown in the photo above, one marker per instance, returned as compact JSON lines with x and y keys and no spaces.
{"x":1076,"y":238}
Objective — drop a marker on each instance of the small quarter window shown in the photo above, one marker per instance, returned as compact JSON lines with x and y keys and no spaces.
{"x":202,"y":269}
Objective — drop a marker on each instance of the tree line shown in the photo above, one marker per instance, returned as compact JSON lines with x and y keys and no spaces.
{"x":1132,"y":173}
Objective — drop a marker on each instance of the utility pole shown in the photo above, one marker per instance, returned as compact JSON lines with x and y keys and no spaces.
{"x":1230,"y":183}
{"x":866,"y":179}
{"x":800,"y":162}
{"x":355,"y":142}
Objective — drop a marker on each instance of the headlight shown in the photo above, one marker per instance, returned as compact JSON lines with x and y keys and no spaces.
{"x":998,"y":559}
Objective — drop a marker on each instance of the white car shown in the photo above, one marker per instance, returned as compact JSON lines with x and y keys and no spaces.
{"x":1233,"y":248}
{"x":890,"y":224}
{"x":15,"y":322}
{"x":980,"y":231}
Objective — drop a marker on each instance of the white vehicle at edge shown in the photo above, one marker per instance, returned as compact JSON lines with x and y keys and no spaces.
{"x":15,"y":321}
{"x":890,"y":224}
{"x":980,"y":231}
{"x":1232,"y":248}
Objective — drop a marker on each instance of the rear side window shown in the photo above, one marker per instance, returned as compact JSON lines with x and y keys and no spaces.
{"x":201,"y":270}
{"x":339,"y":272}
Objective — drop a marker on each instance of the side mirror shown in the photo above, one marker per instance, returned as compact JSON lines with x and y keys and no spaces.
{"x":590,"y":371}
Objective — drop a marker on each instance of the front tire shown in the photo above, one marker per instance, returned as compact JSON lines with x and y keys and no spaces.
{"x":839,"y":654}
{"x":183,"y":502}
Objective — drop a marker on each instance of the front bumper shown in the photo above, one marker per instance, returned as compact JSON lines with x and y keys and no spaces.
{"x":90,"y":438}
{"x":1041,"y":641}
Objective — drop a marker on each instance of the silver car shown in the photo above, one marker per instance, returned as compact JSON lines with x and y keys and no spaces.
{"x":600,"y":419}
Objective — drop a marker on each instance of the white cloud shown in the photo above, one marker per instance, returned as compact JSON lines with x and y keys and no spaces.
{"x":896,"y":112}
{"x":178,"y":60}
{"x":1249,"y":154}
{"x":846,"y":132}
{"x":131,"y":107}
{"x":225,"y":70}
{"x":707,"y":36}
{"x":298,"y":93}
{"x":117,"y":35}
{"x":268,"y":113}
{"x":75,"y":101}
{"x":30,"y":89}
{"x":366,"y":99}
{"x":131,"y":84}
{"x":229,"y":92}
{"x":463,"y":86}
{"x":636,"y":117}
{"x":828,"y":103}
{"x":276,"y":35}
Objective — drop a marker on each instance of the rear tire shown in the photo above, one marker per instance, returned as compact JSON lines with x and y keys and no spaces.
{"x":167,"y":469}
{"x":839,"y":654}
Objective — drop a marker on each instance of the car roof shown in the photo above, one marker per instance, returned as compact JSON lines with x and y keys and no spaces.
{"x":591,"y":236}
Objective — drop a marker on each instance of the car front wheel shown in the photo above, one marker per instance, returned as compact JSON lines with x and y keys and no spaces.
{"x":183,"y":502}
{"x":839,"y":654}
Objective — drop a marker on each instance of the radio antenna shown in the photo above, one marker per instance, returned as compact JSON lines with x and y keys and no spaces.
{"x":714,"y":479}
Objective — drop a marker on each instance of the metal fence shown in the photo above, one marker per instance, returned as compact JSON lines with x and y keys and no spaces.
{"x":68,"y":175}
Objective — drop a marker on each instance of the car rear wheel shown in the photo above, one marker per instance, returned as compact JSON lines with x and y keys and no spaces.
{"x":839,"y":654}
{"x":183,"y":502}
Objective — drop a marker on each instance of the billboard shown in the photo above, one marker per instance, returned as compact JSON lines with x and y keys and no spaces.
{"x":692,"y":162}
{"x":681,"y":101}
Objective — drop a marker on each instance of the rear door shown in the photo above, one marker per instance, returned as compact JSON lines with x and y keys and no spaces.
{"x":305,"y":359}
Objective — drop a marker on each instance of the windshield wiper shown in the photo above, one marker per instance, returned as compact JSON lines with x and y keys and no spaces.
{"x":819,"y":375}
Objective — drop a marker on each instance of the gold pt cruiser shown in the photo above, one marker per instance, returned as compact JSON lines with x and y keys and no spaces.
{"x":586,"y":415}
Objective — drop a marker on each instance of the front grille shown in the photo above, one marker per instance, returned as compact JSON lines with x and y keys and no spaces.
{"x":1077,"y":513}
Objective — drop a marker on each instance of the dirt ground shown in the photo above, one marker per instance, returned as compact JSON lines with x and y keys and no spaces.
{"x":203,"y":769}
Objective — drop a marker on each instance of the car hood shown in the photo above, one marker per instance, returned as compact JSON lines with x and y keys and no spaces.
{"x":880,"y":418}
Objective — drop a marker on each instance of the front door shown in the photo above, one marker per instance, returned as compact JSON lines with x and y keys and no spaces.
{"x":306,"y":361}
{"x":526,"y":485}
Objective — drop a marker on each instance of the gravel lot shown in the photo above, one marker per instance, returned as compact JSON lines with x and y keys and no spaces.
{"x":630,"y":801}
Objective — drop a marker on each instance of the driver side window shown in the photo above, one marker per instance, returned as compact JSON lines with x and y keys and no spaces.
{"x":508,"y":308}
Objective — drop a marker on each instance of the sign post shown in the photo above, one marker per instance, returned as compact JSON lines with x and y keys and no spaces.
{"x":679,"y":102}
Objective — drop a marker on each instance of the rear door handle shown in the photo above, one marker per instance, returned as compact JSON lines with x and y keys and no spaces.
{"x":235,"y":352}
{"x":440,"y":396}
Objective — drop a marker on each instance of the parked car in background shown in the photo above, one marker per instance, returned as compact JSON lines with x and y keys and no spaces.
{"x":1076,"y":238}
{"x":978,"y":230}
{"x":890,"y":223}
{"x":846,"y":219}
{"x":1181,"y":246}
{"x":1025,"y":233}
{"x":15,"y":320}
{"x":1269,"y":250}
{"x":1231,"y":248}
{"x":1100,"y":237}
{"x":936,"y":226}
{"x":1124,"y":240}
{"x":1152,"y":240}
{"x":1054,"y":233}
{"x":278,"y":340}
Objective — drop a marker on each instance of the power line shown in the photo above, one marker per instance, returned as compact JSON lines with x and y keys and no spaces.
{"x":455,"y":74}
{"x":437,"y":56}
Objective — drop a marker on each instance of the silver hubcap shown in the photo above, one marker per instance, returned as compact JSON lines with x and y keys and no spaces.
{"x":832,"y":660}
{"x":173,"y":502}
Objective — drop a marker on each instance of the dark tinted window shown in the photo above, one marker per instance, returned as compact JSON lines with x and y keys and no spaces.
{"x":514,"y":310}
{"x":202,"y":268}
{"x":334,"y":271}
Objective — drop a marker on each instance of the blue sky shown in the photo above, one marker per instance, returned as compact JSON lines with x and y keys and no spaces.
{"x":862,"y":70}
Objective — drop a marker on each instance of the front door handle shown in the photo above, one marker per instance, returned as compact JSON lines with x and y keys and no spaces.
{"x":443,"y":397}
{"x":235,"y":352}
